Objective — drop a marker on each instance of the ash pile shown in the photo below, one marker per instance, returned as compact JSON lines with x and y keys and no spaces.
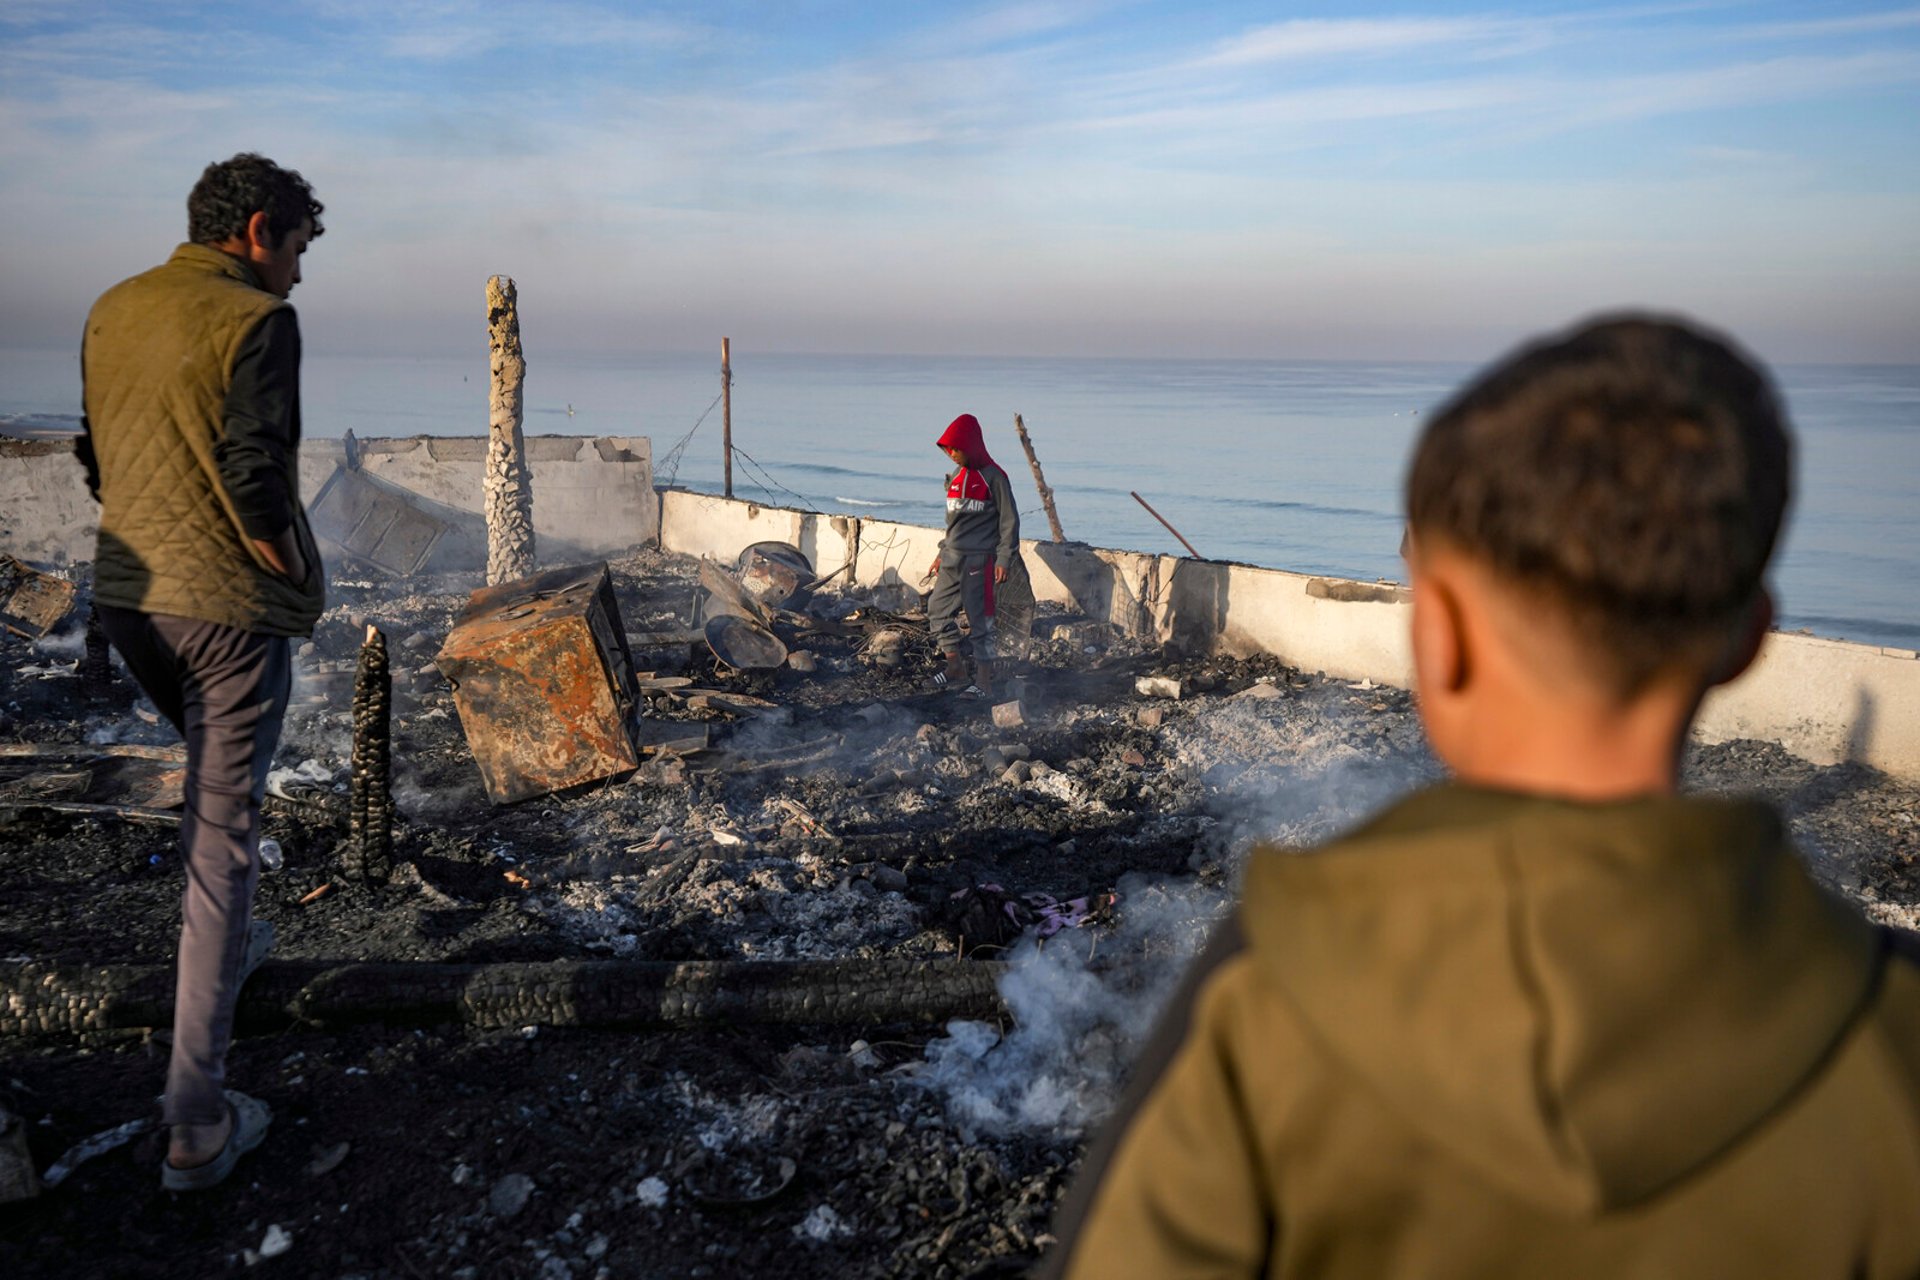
{"x":608,"y":800}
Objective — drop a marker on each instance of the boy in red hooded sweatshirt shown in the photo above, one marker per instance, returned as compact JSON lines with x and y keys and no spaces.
{"x":983,"y":539}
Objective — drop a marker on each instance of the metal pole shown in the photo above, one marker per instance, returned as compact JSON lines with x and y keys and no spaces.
{"x":726,"y":407}
{"x":1170,"y":529}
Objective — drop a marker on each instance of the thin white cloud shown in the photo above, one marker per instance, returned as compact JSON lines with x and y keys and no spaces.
{"x":1008,"y":22}
{"x":1302,"y":38}
{"x":453,"y":29}
{"x":1028,"y":160}
{"x":1851,"y":25}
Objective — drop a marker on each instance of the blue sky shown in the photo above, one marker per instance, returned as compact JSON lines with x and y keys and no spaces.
{"x":1286,"y":181}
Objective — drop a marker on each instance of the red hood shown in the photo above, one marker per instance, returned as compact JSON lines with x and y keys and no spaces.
{"x":963,"y":433}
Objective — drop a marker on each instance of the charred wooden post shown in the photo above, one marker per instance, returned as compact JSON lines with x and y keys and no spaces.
{"x":369,"y":850}
{"x":1046,"y":491}
{"x":53,"y":999}
{"x":726,"y":411}
{"x":509,"y":481}
{"x":96,"y":670}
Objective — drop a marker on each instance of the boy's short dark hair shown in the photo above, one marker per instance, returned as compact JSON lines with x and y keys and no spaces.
{"x":1634,"y":472}
{"x":232,"y":191}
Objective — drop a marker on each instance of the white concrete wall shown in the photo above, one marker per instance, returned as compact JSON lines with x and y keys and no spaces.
{"x":591,"y":497}
{"x":1825,"y":700}
{"x":708,"y":525}
{"x":47,"y":517}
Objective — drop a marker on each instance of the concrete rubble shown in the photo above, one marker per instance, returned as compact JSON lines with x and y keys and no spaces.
{"x":827,"y":809}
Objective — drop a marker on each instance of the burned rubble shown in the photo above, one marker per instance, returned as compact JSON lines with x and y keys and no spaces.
{"x":1075,"y":835}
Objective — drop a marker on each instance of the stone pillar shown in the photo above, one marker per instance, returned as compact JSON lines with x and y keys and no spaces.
{"x":509,"y":482}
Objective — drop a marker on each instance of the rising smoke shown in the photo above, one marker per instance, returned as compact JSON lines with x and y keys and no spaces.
{"x":1290,"y":773}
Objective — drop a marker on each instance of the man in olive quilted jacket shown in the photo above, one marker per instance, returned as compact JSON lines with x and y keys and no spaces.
{"x":205,"y":567}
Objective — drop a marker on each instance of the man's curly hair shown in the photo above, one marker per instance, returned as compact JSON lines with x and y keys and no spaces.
{"x":232,"y":191}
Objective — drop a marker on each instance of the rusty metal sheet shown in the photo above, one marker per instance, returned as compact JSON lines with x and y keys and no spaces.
{"x":725,"y":595}
{"x":544,"y":682}
{"x":777,"y":574}
{"x":372,"y":520}
{"x":141,"y":778}
{"x":747,"y":645}
{"x":31,"y":602}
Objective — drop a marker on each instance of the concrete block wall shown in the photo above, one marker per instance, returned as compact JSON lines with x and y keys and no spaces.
{"x":592,"y":497}
{"x":706,"y":524}
{"x":1825,"y":700}
{"x":47,"y":517}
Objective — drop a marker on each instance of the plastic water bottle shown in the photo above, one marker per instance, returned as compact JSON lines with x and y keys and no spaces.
{"x":272,"y":857}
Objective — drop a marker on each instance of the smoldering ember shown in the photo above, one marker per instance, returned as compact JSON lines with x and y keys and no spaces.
{"x":652,"y":916}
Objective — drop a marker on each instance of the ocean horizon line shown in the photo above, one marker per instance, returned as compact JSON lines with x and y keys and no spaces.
{"x":602,"y":356}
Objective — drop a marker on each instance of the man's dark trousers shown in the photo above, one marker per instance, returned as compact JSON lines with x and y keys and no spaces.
{"x":225,"y":690}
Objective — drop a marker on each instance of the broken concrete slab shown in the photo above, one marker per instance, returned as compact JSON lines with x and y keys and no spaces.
{"x":1160,"y":687}
{"x":597,"y":496}
{"x":381,"y":524}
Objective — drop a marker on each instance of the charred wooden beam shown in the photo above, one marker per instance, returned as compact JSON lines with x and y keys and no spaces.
{"x":369,"y":850}
{"x":54,"y":999}
{"x":96,"y":669}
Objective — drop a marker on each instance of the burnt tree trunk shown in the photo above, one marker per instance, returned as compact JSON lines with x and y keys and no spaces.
{"x":369,"y":849}
{"x":1040,"y":481}
{"x":54,"y":999}
{"x":508,"y":487}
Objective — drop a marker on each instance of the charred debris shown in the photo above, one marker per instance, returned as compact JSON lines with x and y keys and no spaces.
{"x":658,"y":917}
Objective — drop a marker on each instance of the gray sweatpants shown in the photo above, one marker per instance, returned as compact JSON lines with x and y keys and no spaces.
{"x":965,"y":582}
{"x":225,"y":690}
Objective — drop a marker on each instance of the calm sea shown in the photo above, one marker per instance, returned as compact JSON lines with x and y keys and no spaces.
{"x":1295,"y":465}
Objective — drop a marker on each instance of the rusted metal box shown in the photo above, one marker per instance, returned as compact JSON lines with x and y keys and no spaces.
{"x":544,"y":682}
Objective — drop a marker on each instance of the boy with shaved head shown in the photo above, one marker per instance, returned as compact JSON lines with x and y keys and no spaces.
{"x":1552,"y":1017}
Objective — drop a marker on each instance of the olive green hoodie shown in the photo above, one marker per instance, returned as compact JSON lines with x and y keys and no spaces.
{"x":1496,"y":1035}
